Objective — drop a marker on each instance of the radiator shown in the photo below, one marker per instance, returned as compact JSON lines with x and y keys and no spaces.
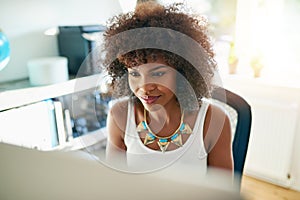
{"x":274,"y":126}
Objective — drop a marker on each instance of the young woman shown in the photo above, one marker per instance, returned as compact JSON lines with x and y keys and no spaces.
{"x":161,"y":59}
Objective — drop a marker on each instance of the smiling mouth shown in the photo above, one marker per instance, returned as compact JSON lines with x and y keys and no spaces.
{"x":149,"y":99}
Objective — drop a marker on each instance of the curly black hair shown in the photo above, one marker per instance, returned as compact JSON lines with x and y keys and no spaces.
{"x":152,"y":30}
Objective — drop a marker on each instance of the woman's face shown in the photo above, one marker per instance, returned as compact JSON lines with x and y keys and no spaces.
{"x":153,"y":83}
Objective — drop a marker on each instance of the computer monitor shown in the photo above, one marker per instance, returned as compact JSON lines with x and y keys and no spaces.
{"x":32,"y":174}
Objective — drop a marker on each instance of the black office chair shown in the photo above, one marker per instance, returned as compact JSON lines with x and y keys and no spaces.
{"x":241,"y":130}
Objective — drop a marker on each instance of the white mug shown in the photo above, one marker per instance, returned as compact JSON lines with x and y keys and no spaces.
{"x":47,"y":70}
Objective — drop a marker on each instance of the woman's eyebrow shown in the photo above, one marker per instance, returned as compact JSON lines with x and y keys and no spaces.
{"x":158,"y":67}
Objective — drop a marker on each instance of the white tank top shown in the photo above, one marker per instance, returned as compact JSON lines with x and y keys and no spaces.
{"x":191,"y":156}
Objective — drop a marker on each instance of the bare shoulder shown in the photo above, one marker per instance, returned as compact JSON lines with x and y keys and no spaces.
{"x":215,"y":114}
{"x":216,"y":126}
{"x":118,"y":113}
{"x":119,"y":106}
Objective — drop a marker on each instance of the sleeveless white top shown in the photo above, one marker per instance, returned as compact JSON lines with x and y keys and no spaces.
{"x":191,"y":156}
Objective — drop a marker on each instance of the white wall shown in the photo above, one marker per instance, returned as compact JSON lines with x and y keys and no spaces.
{"x":24,"y":23}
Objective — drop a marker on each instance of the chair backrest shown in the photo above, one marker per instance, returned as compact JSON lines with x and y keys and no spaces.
{"x":242,"y":129}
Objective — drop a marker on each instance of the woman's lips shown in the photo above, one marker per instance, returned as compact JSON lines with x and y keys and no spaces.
{"x":149,"y":99}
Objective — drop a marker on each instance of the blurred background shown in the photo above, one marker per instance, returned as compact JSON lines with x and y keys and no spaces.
{"x":260,"y":31}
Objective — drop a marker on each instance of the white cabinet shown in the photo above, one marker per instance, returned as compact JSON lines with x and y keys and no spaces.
{"x":34,"y":117}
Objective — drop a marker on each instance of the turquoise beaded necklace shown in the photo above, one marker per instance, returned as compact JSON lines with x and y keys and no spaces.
{"x":163,"y":142}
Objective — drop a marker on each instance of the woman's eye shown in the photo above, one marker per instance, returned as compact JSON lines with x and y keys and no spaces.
{"x":134,"y":74}
{"x":158,"y":73}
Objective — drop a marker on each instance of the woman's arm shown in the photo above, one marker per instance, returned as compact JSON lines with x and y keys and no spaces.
{"x":116,"y":124}
{"x":217,"y":133}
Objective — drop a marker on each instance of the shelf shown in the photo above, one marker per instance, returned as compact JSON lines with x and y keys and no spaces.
{"x":84,"y":141}
{"x":19,"y":97}
{"x":18,"y":94}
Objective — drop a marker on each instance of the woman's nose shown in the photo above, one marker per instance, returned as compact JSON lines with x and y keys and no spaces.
{"x":147,"y":87}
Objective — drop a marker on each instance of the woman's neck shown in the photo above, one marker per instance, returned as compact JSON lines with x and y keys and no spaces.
{"x":164,"y":116}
